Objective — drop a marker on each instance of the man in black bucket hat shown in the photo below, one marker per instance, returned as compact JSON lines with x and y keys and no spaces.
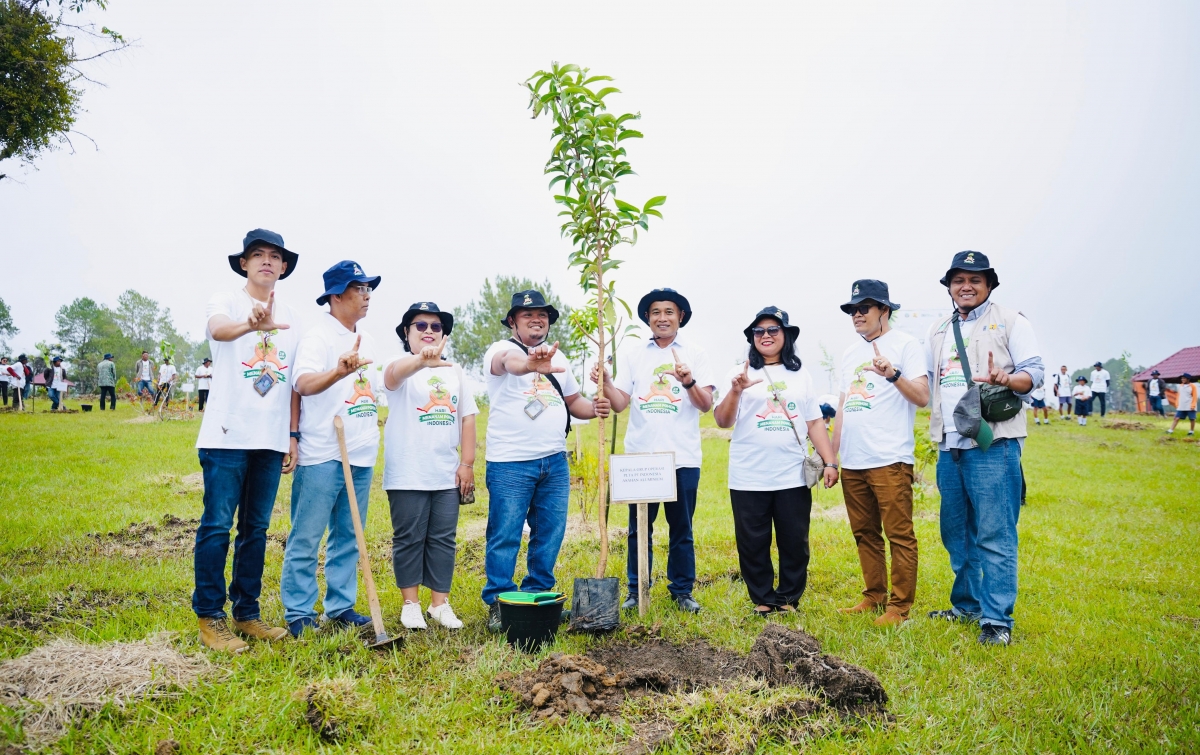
{"x":667,"y":381}
{"x":532,"y":395}
{"x":981,"y":344}
{"x":883,"y":382}
{"x":244,"y":442}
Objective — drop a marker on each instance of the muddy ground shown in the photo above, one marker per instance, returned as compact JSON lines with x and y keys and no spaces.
{"x":169,"y":536}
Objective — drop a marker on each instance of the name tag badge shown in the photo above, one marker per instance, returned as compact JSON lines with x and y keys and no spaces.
{"x":535,"y":407}
{"x":265,"y":382}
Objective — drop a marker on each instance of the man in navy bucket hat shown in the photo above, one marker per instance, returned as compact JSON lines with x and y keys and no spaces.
{"x":244,"y":444}
{"x":334,"y":379}
{"x":979,"y":475}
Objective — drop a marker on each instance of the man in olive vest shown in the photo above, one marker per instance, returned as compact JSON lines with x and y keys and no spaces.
{"x":979,"y":477}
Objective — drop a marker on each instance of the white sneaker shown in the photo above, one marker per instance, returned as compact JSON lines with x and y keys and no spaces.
{"x":444,"y":615}
{"x":410,"y":616}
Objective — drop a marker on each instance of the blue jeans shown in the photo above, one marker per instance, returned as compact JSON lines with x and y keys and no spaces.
{"x":55,"y":397}
{"x":537,"y":491}
{"x":245,"y":482}
{"x":147,"y":386}
{"x":681,"y":552}
{"x":981,"y":501}
{"x":1156,"y":405}
{"x":319,"y":502}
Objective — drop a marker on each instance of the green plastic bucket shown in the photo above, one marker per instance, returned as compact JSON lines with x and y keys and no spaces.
{"x":530,"y":620}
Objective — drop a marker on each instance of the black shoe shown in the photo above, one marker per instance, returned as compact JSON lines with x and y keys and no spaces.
{"x":994,"y":634}
{"x":687,"y":603}
{"x":493,"y":621}
{"x":950,"y":614}
{"x":565,"y":618}
{"x":631,"y":603}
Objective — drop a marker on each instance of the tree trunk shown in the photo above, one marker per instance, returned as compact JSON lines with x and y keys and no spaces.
{"x":601,"y":426}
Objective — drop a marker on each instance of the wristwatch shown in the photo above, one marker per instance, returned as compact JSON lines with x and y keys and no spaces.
{"x":831,"y":466}
{"x":295,"y":434}
{"x":689,"y":387}
{"x":895,"y":377}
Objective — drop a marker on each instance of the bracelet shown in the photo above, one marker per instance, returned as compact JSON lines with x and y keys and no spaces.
{"x":689,"y":387}
{"x":295,"y":434}
{"x":468,"y":466}
{"x":831,"y":466}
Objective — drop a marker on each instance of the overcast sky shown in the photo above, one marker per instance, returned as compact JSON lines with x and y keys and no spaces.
{"x":801,"y":146}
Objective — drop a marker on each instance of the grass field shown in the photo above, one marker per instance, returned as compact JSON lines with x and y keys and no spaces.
{"x":1104,"y":657}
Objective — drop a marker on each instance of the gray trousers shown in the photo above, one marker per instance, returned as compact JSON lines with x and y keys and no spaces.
{"x":423,"y":528}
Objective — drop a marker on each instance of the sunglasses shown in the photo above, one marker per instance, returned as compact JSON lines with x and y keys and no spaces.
{"x":436,"y":327}
{"x":771,"y":330}
{"x":861,"y":309}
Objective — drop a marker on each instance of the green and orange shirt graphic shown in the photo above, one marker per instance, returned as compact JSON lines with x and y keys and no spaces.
{"x":664,"y":393}
{"x":441,"y":407}
{"x":775,"y":416}
{"x":859,"y":395}
{"x":362,"y":401}
{"x":267,"y":357}
{"x":951,"y":374}
{"x":541,"y":388}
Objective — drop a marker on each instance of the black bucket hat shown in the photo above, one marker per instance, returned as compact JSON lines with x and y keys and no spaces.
{"x":267,"y":237}
{"x":341,"y":276}
{"x":530,"y":299}
{"x":869,"y":289}
{"x":1155,"y":372}
{"x":775,"y":313}
{"x":1081,"y":379}
{"x":972,"y":262}
{"x":1097,"y":364}
{"x":206,"y":360}
{"x":665,"y":294}
{"x":425,"y":308}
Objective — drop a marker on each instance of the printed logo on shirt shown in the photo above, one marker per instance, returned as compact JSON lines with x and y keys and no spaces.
{"x":952,"y":372}
{"x":267,"y":357}
{"x":441,"y":408}
{"x":662,"y":396}
{"x":362,"y":403}
{"x":543,"y":388}
{"x":774,"y":417}
{"x":858,"y":398}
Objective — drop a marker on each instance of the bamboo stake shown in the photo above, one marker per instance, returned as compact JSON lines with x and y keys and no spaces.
{"x":601,"y":458}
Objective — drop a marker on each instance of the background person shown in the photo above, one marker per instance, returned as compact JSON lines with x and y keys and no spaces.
{"x":1185,"y":404}
{"x":530,"y":391}
{"x":1100,"y":381}
{"x":203,"y":381}
{"x":243,"y":443}
{"x":106,"y":378}
{"x":1063,"y":387}
{"x":28,"y":370}
{"x":143,"y":373}
{"x":332,"y":377}
{"x":1156,"y":388}
{"x":770,"y":402}
{"x":166,"y":378}
{"x":4,"y":378}
{"x":16,"y":382}
{"x":1083,"y":400}
{"x":883,"y":382}
{"x":1037,"y":402}
{"x":58,"y":386}
{"x":669,"y":383}
{"x":425,"y":476}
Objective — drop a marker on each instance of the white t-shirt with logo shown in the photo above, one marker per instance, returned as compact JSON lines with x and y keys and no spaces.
{"x":145,"y":366}
{"x":511,"y":434}
{"x":166,"y":372}
{"x":877,"y":421}
{"x":236,"y":416}
{"x":421,"y":438}
{"x":58,"y":381}
{"x":1081,"y":392}
{"x":203,"y":378}
{"x":18,"y":380}
{"x":352,"y":398}
{"x":1186,"y":398}
{"x":1065,"y":384}
{"x":763,"y":452}
{"x":1100,"y":380}
{"x":662,"y":416}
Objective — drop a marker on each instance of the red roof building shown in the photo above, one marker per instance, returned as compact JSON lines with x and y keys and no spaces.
{"x":1172,"y":368}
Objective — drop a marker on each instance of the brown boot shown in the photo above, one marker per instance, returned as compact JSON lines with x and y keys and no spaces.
{"x":215,"y":634}
{"x":891,"y":618}
{"x":866,"y":606}
{"x":259,"y":630}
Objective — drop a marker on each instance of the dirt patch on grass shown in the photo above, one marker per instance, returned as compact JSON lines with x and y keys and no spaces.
{"x":716,"y":432}
{"x":600,"y":681}
{"x":729,"y":575}
{"x":335,"y":709}
{"x":833,"y":513}
{"x":169,"y":536}
{"x":1192,"y":621}
{"x":1127,"y":424}
{"x":76,"y":605}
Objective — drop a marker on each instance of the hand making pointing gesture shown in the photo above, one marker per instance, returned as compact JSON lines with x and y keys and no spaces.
{"x":431,"y":356}
{"x":263,"y":318}
{"x":682,"y":372}
{"x":350,"y":361}
{"x":881,"y":365}
{"x":539,"y":358}
{"x":743,"y":381}
{"x":995,"y":375}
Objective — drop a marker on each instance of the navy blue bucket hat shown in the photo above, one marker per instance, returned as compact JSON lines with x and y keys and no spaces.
{"x":665,"y":294}
{"x":971,"y":262}
{"x":423,"y":308}
{"x":869,"y":289}
{"x":343,"y":275}
{"x":262,"y":235}
{"x":530,"y":299}
{"x":775,"y":313}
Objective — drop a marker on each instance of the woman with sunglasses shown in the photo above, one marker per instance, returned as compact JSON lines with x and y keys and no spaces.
{"x":772,"y":406}
{"x":430,"y":416}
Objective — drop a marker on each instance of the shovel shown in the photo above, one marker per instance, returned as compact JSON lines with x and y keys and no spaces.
{"x":381,"y":641}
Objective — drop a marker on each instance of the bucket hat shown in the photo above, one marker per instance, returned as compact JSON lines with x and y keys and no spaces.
{"x":665,"y":294}
{"x":56,"y":359}
{"x":108,"y":356}
{"x":268,"y":237}
{"x":1154,"y":372}
{"x":1081,"y":379}
{"x":341,"y":276}
{"x":1097,"y":364}
{"x":206,"y":360}
{"x":869,"y":289}
{"x":427,"y":308}
{"x":530,"y":299}
{"x":1187,"y":376}
{"x":774,"y":313}
{"x":971,"y":262}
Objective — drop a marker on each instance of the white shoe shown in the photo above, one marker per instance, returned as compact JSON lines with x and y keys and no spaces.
{"x":410,"y":616}
{"x":444,"y":615}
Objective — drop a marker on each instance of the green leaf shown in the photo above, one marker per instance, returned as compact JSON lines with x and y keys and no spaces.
{"x":605,"y":92}
{"x":655,"y":213}
{"x":597,"y":78}
{"x":629,"y":134}
{"x":654,"y":202}
{"x":626,"y":206}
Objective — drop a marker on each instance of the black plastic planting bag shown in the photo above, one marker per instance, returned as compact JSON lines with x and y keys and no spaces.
{"x":596,"y":606}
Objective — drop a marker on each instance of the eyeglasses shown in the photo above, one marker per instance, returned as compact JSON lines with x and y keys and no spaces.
{"x":771,"y":330}
{"x":861,"y":309}
{"x":436,"y":327}
{"x":362,"y":289}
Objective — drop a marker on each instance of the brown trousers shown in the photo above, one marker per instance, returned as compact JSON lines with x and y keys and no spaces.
{"x":882,"y":499}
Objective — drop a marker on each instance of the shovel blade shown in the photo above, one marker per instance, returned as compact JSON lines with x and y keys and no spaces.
{"x":383,"y":642}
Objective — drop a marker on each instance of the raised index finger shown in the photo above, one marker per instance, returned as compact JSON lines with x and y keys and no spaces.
{"x":357,"y":341}
{"x":876,"y":349}
{"x":675,"y":354}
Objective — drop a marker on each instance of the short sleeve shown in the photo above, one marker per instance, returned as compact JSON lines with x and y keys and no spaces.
{"x":570,"y":386}
{"x":1022,"y":344}
{"x":846,"y":373}
{"x":623,"y":380}
{"x":701,"y":372}
{"x":496,"y":348}
{"x":912,"y":361}
{"x":311,"y":357}
{"x":466,"y":403}
{"x":810,"y":409}
{"x":220,"y":304}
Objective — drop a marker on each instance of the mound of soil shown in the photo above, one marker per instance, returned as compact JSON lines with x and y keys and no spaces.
{"x":1127,"y":424}
{"x":596,"y":683}
{"x":170,"y":536}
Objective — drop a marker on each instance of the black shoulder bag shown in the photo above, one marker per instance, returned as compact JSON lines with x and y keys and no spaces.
{"x":982,"y":403}
{"x":553,"y":381}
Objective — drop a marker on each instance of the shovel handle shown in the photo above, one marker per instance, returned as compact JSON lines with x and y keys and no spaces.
{"x":368,"y":579}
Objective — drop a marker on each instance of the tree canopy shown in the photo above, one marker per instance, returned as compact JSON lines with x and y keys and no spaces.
{"x":479,"y":324}
{"x":7,"y":328}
